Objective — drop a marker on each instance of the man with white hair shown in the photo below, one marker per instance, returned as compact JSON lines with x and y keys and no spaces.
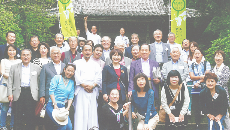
{"x":171,"y":41}
{"x":106,"y":43}
{"x":175,"y":64}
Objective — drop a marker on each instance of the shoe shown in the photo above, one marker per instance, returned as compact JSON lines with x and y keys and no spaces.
{"x":189,"y":113}
{"x":3,"y":128}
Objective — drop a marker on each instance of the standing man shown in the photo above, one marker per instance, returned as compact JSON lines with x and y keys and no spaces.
{"x":88,"y":76}
{"x":59,"y":40}
{"x":160,"y":52}
{"x":10,"y":39}
{"x":106,"y":43}
{"x":171,"y":40}
{"x":78,"y":32}
{"x":122,"y":37}
{"x":71,"y":55}
{"x":23,"y":86}
{"x":92,"y":36}
{"x":134,"y":40}
{"x":185,"y":50}
{"x":34,"y":41}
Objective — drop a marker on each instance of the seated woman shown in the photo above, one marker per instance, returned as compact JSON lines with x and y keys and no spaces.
{"x":143,"y":101}
{"x":213,"y":101}
{"x":61,"y":90}
{"x":176,"y":113}
{"x":114,"y":114}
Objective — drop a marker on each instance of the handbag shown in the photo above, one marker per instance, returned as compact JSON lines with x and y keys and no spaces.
{"x":38,"y":108}
{"x":3,"y":90}
{"x":162,"y":113}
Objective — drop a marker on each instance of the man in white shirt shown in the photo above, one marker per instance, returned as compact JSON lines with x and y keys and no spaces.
{"x":171,"y":41}
{"x":122,"y":37}
{"x":185,"y":50}
{"x":59,"y":40}
{"x":92,"y":36}
{"x":88,"y":77}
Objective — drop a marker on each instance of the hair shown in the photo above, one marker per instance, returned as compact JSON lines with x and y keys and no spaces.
{"x":156,"y":31}
{"x":6,"y":51}
{"x":113,"y":89}
{"x":58,"y":34}
{"x":34,"y":36}
{"x":71,"y":37}
{"x":86,"y":45}
{"x":134,"y":34}
{"x":220,"y":52}
{"x":183,"y":41}
{"x":107,"y":37}
{"x":119,"y":42}
{"x":173,"y":73}
{"x":190,"y":53}
{"x":144,"y":44}
{"x":98,"y":45}
{"x":201,"y":51}
{"x":27,"y":50}
{"x":136,"y":87}
{"x":134,"y":46}
{"x":210,"y":75}
{"x":171,"y":33}
{"x":67,"y":65}
{"x":114,"y":51}
{"x":174,"y":48}
{"x":90,"y":41}
{"x":54,"y":47}
{"x":94,"y":26}
{"x":122,"y":28}
{"x":47,"y":46}
{"x":10,"y":32}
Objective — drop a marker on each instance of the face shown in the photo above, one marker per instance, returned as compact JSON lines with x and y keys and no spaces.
{"x":193,"y":48}
{"x":171,"y":38}
{"x":135,"y":51}
{"x":158,"y":36}
{"x":122,"y":31}
{"x":10,"y":38}
{"x":87,"y":52}
{"x":145,"y":52}
{"x":185,"y":44}
{"x":134,"y":39}
{"x":81,"y":43}
{"x":78,"y":32}
{"x":73,"y":43}
{"x":59,"y":39}
{"x":198,"y":56}
{"x":114,"y":96}
{"x":219,"y":59}
{"x":106,"y":43}
{"x":11,"y":52}
{"x":211,"y":83}
{"x":116,"y":58}
{"x":141,"y":82}
{"x":25,"y":57}
{"x":69,"y":71}
{"x":174,"y":80}
{"x":97,"y":52}
{"x":34,"y":42}
{"x":120,"y":47}
{"x":55,"y":55}
{"x":43,"y":50}
{"x":94,"y":29}
{"x":175,"y":54}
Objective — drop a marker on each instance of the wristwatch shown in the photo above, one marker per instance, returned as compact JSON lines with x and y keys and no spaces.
{"x":54,"y":103}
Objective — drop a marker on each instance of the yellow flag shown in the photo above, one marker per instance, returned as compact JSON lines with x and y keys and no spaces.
{"x":67,"y":20}
{"x":178,"y":19}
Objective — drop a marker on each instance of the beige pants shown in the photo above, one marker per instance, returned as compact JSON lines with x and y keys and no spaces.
{"x":152,"y":123}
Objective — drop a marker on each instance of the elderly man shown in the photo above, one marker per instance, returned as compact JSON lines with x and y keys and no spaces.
{"x":10,"y":39}
{"x":185,"y":50}
{"x":175,"y":64}
{"x":146,"y":66}
{"x":92,"y":36}
{"x":106,"y":43}
{"x":171,"y":41}
{"x":88,"y":77}
{"x":122,"y":37}
{"x":34,"y":42}
{"x":59,"y":40}
{"x":160,"y":52}
{"x":71,"y":55}
{"x":23,"y":86}
{"x":134,"y":40}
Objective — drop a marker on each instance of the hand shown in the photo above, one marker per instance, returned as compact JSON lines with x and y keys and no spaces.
{"x":218,"y":117}
{"x":202,"y":77}
{"x":56,"y":107}
{"x":129,"y":93}
{"x":172,"y":118}
{"x":67,"y":108}
{"x":85,"y":18}
{"x":145,"y":127}
{"x":10,"y":98}
{"x":211,"y":117}
{"x":42,"y":100}
{"x":156,"y":81}
{"x":105,"y":97}
{"x":126,"y":105}
{"x":134,"y":116}
{"x":90,"y":88}
{"x":196,"y":85}
{"x":181,"y":118}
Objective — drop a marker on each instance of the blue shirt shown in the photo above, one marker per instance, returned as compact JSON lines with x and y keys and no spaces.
{"x":60,"y":91}
{"x":144,"y":105}
{"x":175,"y":65}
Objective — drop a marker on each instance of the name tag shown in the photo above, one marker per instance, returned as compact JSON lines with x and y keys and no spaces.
{"x":172,"y":107}
{"x":181,"y":67}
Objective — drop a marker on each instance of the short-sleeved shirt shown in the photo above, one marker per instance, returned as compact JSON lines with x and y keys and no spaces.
{"x":94,"y":37}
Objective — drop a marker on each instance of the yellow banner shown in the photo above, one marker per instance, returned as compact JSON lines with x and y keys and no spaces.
{"x":67,"y":20}
{"x":178,"y":19}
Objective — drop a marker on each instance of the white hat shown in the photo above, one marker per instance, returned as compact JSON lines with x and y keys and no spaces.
{"x":60,"y":116}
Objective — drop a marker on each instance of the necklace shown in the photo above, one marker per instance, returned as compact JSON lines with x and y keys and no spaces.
{"x":66,"y":81}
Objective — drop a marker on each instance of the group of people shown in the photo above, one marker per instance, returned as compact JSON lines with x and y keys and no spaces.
{"x":86,"y":84}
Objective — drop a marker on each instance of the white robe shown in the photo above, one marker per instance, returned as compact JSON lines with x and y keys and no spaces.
{"x":85,"y":116}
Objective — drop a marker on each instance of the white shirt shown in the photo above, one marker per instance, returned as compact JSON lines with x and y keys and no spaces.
{"x":94,"y":37}
{"x":145,"y":67}
{"x":57,"y":67}
{"x":175,"y":45}
{"x":184,"y":55}
{"x":122,"y":38}
{"x":159,"y":52}
{"x":65,"y":47}
{"x":106,"y":53}
{"x":25,"y":77}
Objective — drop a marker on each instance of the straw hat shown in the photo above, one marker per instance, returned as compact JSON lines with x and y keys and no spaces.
{"x":60,"y":116}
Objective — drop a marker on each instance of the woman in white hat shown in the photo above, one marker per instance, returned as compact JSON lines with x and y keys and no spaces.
{"x":61,"y":90}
